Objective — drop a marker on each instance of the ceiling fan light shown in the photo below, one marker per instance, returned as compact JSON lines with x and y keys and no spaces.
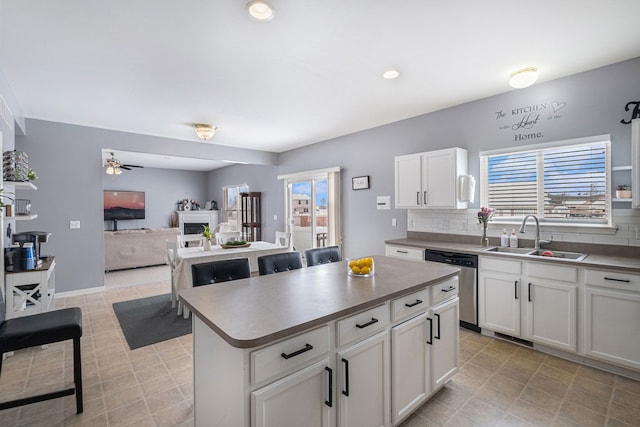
{"x":260,"y":10}
{"x":117,"y":171}
{"x":205,"y":131}
{"x":523,"y":78}
{"x":110,"y":170}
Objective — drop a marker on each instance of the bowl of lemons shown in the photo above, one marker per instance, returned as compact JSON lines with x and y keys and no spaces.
{"x":363,"y":267}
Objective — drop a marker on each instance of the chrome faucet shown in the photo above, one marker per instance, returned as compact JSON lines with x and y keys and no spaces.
{"x":537,"y":241}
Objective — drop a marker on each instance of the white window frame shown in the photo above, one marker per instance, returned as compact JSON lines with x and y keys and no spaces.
{"x":239,"y":188}
{"x":569,"y":225}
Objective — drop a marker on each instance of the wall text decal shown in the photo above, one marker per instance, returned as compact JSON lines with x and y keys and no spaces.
{"x":525,"y":119}
{"x":635,"y":114}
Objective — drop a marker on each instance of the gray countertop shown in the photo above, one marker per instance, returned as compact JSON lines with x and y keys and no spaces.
{"x":592,"y":260}
{"x":256,"y":311}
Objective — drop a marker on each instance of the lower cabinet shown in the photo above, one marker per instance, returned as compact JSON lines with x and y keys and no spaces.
{"x":303,"y":398}
{"x":611,"y":317}
{"x":499,"y":295}
{"x":424,"y":356}
{"x":363,"y":383}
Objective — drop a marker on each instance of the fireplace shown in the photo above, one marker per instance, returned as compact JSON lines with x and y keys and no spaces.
{"x":193,"y":227}
{"x":191,"y":222}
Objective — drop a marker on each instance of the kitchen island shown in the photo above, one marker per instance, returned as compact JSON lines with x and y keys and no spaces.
{"x":312,"y":346}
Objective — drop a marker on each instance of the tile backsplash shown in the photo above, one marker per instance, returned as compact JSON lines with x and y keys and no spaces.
{"x":465,"y":222}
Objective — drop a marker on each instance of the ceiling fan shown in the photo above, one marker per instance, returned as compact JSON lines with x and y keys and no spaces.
{"x":114,"y":167}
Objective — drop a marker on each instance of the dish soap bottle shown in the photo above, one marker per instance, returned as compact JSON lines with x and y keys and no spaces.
{"x":504,"y":239}
{"x":513,"y":240}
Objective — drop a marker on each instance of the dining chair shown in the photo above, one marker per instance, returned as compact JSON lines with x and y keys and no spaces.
{"x":325,"y":255}
{"x":277,"y":263}
{"x":42,"y":329}
{"x":190,"y":240}
{"x":283,"y":239}
{"x":172,"y":253}
{"x":207,"y":273}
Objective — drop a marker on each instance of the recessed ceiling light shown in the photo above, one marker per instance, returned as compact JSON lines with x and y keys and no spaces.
{"x":523,"y":78}
{"x":260,"y":10}
{"x":390,"y":74}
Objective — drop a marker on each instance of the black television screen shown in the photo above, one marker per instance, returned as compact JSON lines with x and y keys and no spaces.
{"x":122,"y":205}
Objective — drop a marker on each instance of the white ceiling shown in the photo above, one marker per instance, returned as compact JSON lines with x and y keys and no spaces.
{"x":312,"y":73}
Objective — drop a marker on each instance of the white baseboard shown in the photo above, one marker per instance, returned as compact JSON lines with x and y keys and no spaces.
{"x":81,"y":292}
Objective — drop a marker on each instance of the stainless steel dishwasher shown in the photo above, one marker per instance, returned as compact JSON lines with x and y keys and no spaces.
{"x":468,"y":290}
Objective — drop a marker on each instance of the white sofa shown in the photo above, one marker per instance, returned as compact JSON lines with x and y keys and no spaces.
{"x":136,"y":248}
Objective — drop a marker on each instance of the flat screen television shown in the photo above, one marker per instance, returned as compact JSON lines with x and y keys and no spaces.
{"x":123,"y":205}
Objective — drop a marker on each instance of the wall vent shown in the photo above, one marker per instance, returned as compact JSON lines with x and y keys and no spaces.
{"x":6,"y":113}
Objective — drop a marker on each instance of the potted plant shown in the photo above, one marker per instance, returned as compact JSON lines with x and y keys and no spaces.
{"x":206,"y":232}
{"x":623,"y":192}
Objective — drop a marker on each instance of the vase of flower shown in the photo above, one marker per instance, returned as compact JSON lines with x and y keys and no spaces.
{"x":484,"y":216}
{"x":206,"y":233}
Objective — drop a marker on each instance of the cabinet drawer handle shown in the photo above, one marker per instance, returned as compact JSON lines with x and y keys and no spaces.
{"x":369,"y":323}
{"x":413,"y":304}
{"x":515,"y":289}
{"x":617,"y":280}
{"x":306,"y":348}
{"x":346,"y":377}
{"x":449,"y":289}
{"x":430,"y":340}
{"x":529,"y":292}
{"x":329,"y":402}
{"x":438,"y":328}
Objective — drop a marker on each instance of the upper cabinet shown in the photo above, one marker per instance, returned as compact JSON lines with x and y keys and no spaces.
{"x":430,"y":180}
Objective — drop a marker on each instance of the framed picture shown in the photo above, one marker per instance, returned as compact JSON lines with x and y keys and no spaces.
{"x":360,"y":182}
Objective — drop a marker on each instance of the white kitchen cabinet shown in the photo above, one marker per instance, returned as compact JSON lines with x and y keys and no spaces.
{"x":611,"y":317}
{"x":430,"y":180}
{"x":499,"y":294}
{"x":300,"y":399}
{"x":635,"y":163}
{"x":404,"y":252}
{"x":424,"y":356}
{"x":410,"y":365}
{"x":363,"y":383}
{"x":444,"y":363}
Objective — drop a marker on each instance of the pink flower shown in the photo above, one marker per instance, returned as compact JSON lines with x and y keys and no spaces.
{"x":485,"y":215}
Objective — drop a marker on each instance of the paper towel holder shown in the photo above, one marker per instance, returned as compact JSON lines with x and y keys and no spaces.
{"x":467,"y":188}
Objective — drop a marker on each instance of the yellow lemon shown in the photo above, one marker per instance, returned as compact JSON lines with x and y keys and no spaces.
{"x":369,"y":262}
{"x":355,"y":269}
{"x":365,"y":270}
{"x":353,"y":263}
{"x":362,"y":262}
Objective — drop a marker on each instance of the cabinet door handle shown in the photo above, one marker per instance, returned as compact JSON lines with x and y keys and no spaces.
{"x":529,"y":292}
{"x":329,"y":402}
{"x":418,"y":198}
{"x":413,"y":304}
{"x":369,"y":323}
{"x":306,"y":348}
{"x":438,"y":328}
{"x":617,"y":280}
{"x":515,"y":289}
{"x":430,"y":340}
{"x":425,"y":198}
{"x":346,"y":377}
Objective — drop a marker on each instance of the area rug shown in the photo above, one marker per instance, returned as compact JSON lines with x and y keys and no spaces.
{"x":151,"y":320}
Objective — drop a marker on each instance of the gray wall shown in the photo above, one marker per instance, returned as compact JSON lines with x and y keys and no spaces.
{"x":68,"y":161}
{"x":163,"y":188}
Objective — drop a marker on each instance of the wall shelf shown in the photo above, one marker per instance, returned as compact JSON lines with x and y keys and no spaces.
{"x":622,"y":200}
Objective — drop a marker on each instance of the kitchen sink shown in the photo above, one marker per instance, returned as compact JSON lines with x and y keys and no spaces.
{"x":576,"y":256}
{"x":522,"y":251}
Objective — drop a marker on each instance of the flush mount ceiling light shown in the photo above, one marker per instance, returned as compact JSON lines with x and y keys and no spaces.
{"x":390,"y":74}
{"x":260,"y":10}
{"x":523,"y":78}
{"x":205,"y":131}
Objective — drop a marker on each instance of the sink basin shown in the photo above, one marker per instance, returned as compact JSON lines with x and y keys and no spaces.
{"x":523,"y":251}
{"x":576,"y":256}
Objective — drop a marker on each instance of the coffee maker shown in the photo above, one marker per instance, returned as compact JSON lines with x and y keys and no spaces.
{"x":35,"y":237}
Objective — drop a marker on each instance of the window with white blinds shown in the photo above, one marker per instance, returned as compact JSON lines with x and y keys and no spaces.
{"x":557,"y":182}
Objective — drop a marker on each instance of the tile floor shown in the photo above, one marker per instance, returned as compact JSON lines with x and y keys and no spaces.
{"x":499,"y":383}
